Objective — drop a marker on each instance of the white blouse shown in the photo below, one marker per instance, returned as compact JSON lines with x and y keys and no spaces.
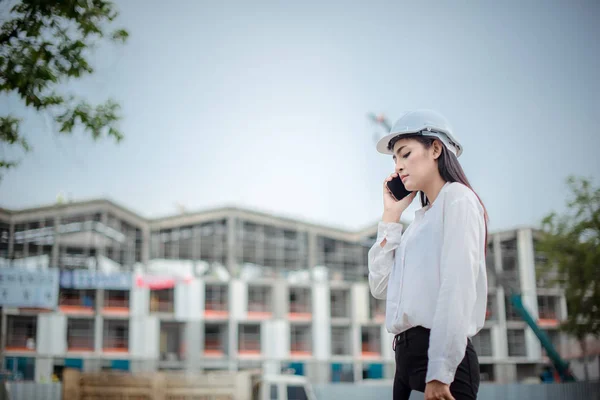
{"x":434,"y":276}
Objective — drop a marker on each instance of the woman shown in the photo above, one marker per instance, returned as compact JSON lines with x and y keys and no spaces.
{"x":433,"y":275}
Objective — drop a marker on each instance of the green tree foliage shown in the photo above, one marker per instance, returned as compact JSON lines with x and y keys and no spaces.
{"x":571,"y":243}
{"x":43,"y":46}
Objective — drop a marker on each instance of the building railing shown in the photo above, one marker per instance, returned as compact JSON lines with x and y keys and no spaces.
{"x":163,"y":306}
{"x":81,"y":343}
{"x":249,"y":346}
{"x":371,"y":348}
{"x":300,"y":346}
{"x":300,"y":308}
{"x":115,"y":344}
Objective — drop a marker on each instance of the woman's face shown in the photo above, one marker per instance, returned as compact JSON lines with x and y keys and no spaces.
{"x":415,"y":164}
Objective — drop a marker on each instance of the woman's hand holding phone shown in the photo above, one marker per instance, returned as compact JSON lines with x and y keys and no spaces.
{"x":392,"y":208}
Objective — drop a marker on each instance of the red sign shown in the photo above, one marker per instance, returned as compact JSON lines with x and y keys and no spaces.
{"x":160,"y":282}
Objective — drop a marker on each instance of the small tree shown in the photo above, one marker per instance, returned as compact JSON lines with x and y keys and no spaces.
{"x":44,"y":45}
{"x":571,"y":242}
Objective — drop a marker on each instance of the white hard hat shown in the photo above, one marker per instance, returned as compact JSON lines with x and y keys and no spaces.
{"x":422,"y":122}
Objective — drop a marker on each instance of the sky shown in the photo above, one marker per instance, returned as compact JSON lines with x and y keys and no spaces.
{"x":264,"y":104}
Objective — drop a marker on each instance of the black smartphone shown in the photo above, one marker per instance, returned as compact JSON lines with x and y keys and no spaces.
{"x":397,"y":189}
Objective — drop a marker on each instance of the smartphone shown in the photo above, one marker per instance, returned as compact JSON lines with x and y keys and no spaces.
{"x":397,"y":189}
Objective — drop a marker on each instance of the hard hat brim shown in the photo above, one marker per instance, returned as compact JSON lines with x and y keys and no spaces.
{"x":382,"y":144}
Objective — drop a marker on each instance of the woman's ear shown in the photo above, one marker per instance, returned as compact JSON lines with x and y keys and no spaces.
{"x":437,"y":149}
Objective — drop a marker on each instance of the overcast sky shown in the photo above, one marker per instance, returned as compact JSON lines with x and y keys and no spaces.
{"x":263,"y":105}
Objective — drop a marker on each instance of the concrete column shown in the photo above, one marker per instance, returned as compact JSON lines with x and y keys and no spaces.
{"x":318,"y":372}
{"x":176,"y":242}
{"x":193,"y":307}
{"x":321,"y":328}
{"x":280,"y":299}
{"x":152,"y":337}
{"x":59,"y":329}
{"x":25,"y":244}
{"x":387,"y":338}
{"x":355,"y":338}
{"x":116,"y":248}
{"x":56,"y":245}
{"x":11,"y":240}
{"x":238,"y":299}
{"x":272,"y":367}
{"x":357,"y":369}
{"x":280,"y":251}
{"x":360,"y":296}
{"x":43,"y":369}
{"x":100,"y":293}
{"x":562,"y":315}
{"x":92,"y":365}
{"x":505,"y":373}
{"x":51,"y":338}
{"x":312,"y":250}
{"x":98,"y":334}
{"x":196,"y":239}
{"x":101,"y":250}
{"x":42,"y":338}
{"x":3,"y":337}
{"x":194,"y":344}
{"x":232,"y":345}
{"x":130,"y":253}
{"x":88,"y":221}
{"x":139,"y":301}
{"x":144,"y":337}
{"x":303,"y":260}
{"x":497,"y":254}
{"x":260,"y":244}
{"x":498,"y":332}
{"x":136,"y":328}
{"x":562,"y":308}
{"x":526,"y":265}
{"x":145,"y":245}
{"x":275,"y":340}
{"x":181,"y":298}
{"x":231,"y":245}
{"x":526,"y":261}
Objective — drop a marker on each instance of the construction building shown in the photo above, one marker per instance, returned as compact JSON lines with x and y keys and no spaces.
{"x":234,"y":289}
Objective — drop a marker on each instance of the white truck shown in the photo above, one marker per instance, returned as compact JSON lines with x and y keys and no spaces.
{"x":282,"y":387}
{"x":217,"y":385}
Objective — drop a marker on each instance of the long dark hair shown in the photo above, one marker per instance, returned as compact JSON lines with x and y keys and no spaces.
{"x":449,"y":168}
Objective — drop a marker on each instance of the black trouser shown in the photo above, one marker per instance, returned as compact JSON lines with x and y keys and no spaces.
{"x":411,"y":366}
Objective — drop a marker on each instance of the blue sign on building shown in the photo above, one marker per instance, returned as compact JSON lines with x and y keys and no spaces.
{"x":119,"y":365}
{"x":85,"y":279}
{"x":75,"y":363}
{"x":20,"y":287}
